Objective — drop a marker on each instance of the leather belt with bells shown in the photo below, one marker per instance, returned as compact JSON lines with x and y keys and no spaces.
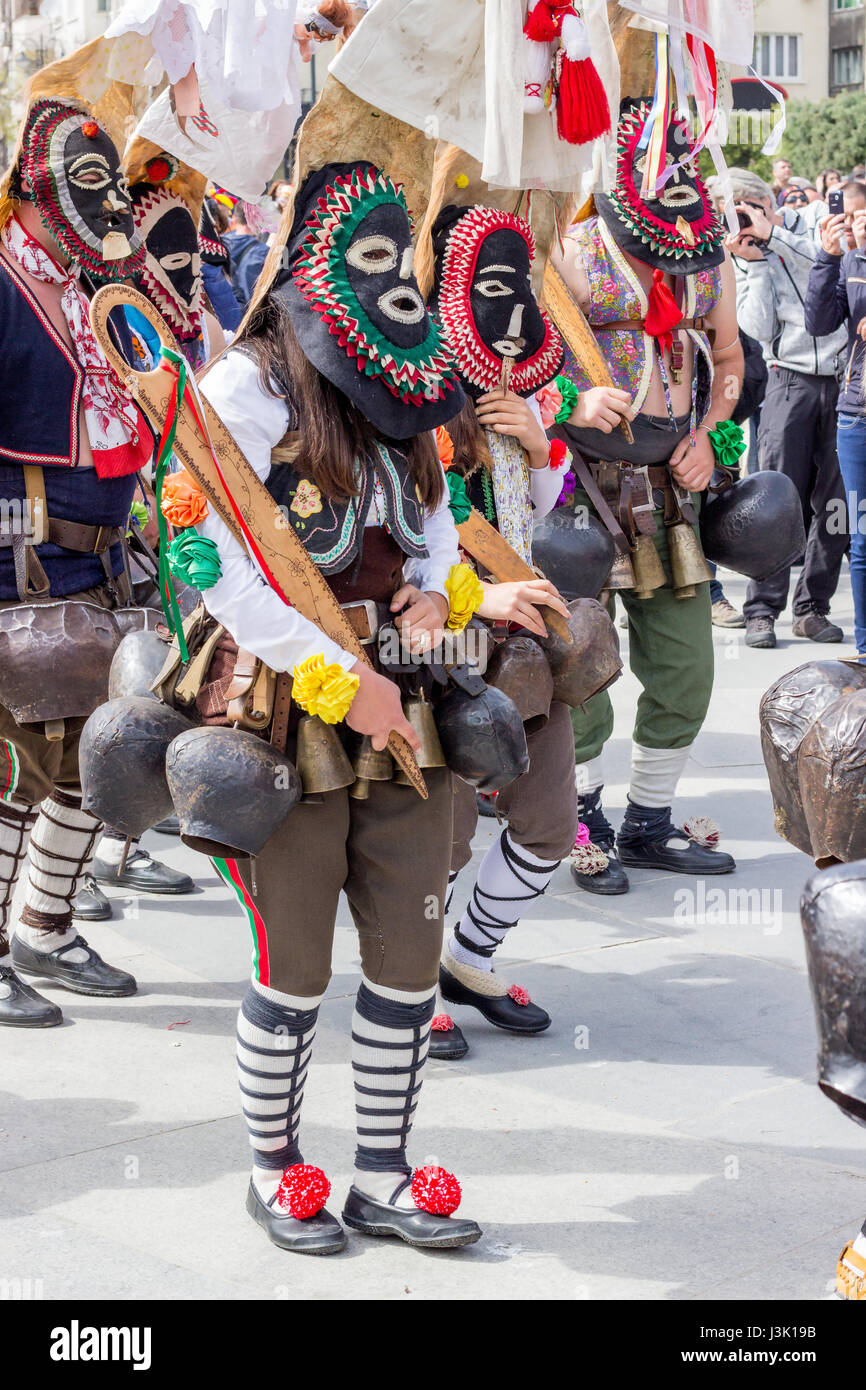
{"x":365,"y":619}
{"x":636,"y":504}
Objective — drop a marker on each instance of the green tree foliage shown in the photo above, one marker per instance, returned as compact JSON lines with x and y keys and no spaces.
{"x":827,"y":134}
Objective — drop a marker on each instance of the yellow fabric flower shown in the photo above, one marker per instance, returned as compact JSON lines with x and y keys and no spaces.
{"x":327,"y":691}
{"x":465,"y":596}
{"x":308,"y":499}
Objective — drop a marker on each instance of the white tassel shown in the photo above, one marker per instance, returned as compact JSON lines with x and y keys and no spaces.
{"x":703,"y":831}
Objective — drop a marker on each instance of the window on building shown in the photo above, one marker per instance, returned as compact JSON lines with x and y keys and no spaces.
{"x":846,"y":4}
{"x":103,"y":6}
{"x":778,"y":55}
{"x":847,"y":67}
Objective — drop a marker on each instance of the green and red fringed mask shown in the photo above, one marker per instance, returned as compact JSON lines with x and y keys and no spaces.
{"x":78,"y":189}
{"x":355,"y":304}
{"x":678,"y":230}
{"x":485,"y":302}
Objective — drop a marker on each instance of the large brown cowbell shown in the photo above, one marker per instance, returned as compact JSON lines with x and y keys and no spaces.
{"x":833,"y":914}
{"x":787,"y":712}
{"x":832,"y":767}
{"x":592,"y":662}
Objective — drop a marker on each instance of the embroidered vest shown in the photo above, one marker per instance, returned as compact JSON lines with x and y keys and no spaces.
{"x":332,"y":530}
{"x":616,"y":294}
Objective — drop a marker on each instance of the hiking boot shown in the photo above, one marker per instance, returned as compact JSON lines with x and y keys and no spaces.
{"x":817,"y":627}
{"x":726,"y":615}
{"x":760,"y":632}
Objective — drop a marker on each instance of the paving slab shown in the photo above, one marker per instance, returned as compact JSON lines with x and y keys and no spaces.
{"x":664,"y":1140}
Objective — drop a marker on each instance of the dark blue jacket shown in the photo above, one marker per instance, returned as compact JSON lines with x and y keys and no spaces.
{"x":221,"y":296}
{"x":247,"y":255}
{"x":836,"y":295}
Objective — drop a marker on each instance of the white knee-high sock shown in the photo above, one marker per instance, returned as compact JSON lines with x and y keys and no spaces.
{"x":510,"y":878}
{"x":61,"y":845}
{"x":16,"y":823}
{"x":655,"y":773}
{"x":390,"y":1041}
{"x":274,"y":1042}
{"x":588,"y":777}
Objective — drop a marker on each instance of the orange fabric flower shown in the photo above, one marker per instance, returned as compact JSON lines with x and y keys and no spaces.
{"x":445,"y":447}
{"x":182,"y":502}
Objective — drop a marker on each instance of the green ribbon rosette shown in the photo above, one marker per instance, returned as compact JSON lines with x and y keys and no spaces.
{"x":569,"y":392}
{"x":138,"y":514}
{"x":194,"y":560}
{"x":460,"y":505}
{"x":729,"y":443}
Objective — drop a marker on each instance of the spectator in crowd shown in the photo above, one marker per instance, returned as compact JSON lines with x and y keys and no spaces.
{"x":247,"y":255}
{"x":800,"y":193}
{"x":217,"y":285}
{"x":836,"y":295}
{"x":858,"y":173}
{"x":827,"y":179}
{"x":773,"y":256}
{"x":781,"y":179}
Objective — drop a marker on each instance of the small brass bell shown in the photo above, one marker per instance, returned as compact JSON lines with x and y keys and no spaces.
{"x":649,"y":573}
{"x":369,"y":766}
{"x":321,"y":758}
{"x":419,"y":713}
{"x":622,"y":573}
{"x":688,"y":565}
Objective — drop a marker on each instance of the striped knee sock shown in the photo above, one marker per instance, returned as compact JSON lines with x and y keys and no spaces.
{"x":61,"y":845}
{"x":509,"y":879}
{"x":16,"y":823}
{"x":274,"y":1042}
{"x":390,"y":1040}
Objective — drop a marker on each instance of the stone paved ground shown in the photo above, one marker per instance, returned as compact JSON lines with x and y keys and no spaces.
{"x":685,"y":1153}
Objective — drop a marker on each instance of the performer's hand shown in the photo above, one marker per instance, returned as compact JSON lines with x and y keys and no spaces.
{"x":376,"y":709}
{"x":602,"y":408}
{"x":693,"y":467}
{"x":519,"y":601}
{"x":507,"y":413}
{"x":422,"y":621}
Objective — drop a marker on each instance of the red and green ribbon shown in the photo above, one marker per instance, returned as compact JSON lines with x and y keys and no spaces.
{"x":168,"y":598}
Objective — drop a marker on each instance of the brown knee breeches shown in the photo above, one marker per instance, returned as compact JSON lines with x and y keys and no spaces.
{"x":390,"y":856}
{"x":540,"y":807}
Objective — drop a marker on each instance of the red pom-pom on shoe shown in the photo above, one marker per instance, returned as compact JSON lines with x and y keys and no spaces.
{"x":442,"y":1023}
{"x":303,"y":1191}
{"x":518,"y":994}
{"x":435,"y":1190}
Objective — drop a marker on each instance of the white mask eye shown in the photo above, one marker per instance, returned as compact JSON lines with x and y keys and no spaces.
{"x":90,"y":171}
{"x":493,"y":289}
{"x":374,"y":255}
{"x":175,"y":260}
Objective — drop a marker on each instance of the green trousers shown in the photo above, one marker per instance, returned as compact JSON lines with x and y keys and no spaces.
{"x":670,"y":652}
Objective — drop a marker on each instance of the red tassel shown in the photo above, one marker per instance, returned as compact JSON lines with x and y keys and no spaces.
{"x":582,"y":108}
{"x":540,"y":24}
{"x":663,"y":313}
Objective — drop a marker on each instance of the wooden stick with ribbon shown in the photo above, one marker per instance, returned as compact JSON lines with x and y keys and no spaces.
{"x":212,"y":458}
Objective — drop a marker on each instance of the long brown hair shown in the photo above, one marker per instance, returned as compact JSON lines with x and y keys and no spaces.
{"x":332,"y":433}
{"x":470,"y":445}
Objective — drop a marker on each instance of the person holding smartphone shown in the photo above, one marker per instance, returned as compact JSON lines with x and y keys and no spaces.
{"x":773,"y":256}
{"x":836,"y":297}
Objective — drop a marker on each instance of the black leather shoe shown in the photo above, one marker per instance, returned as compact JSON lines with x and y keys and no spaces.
{"x":169,"y":826}
{"x":90,"y":904}
{"x":505,"y":1012}
{"x":91,"y":976}
{"x":645,"y":842}
{"x":144,"y":874}
{"x":422,"y":1229}
{"x":22,"y":1007}
{"x":448,"y":1044}
{"x":609,"y":881}
{"x":613,"y":879}
{"x":321,"y":1234}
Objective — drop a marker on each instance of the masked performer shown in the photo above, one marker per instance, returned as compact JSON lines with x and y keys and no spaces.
{"x":654,"y":281}
{"x":503,"y":465}
{"x":71,"y":440}
{"x":343,"y":360}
